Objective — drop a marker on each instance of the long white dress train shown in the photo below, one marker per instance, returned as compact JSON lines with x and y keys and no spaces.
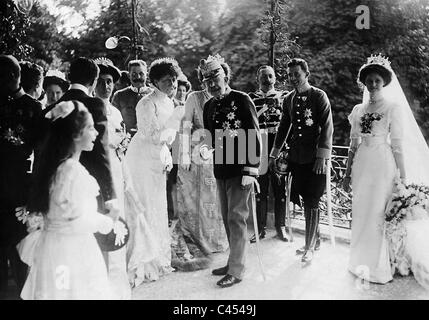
{"x":155,"y":116}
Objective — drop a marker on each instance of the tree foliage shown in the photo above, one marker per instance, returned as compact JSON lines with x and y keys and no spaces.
{"x":13,"y":27}
{"x":322,"y":32}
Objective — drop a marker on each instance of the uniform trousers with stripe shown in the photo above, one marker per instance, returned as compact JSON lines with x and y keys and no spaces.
{"x":235,"y":204}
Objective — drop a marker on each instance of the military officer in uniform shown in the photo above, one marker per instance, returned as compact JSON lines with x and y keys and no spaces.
{"x":268,"y":102}
{"x":19,"y":137}
{"x":308,"y":109}
{"x":232,"y":124}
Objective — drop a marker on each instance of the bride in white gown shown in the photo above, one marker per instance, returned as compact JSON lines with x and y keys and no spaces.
{"x":386,"y":143}
{"x":148,"y":159}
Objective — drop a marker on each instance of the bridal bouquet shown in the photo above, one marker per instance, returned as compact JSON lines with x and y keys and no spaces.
{"x":409,"y":202}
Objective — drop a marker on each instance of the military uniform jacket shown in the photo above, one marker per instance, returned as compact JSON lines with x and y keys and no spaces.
{"x":235,"y":136}
{"x":312,"y":126}
{"x":19,"y":135}
{"x":268,"y":108}
{"x":96,"y":161}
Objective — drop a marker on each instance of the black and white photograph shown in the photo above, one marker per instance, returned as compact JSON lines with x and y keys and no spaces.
{"x":214,"y":154}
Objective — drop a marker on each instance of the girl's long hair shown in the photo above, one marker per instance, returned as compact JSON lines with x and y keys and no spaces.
{"x":57,"y":147}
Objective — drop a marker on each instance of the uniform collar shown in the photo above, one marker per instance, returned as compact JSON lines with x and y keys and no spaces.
{"x":81,"y":87}
{"x":140,"y":90}
{"x":266,"y":94}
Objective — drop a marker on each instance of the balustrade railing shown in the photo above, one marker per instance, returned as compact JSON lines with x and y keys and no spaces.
{"x":340,"y":200}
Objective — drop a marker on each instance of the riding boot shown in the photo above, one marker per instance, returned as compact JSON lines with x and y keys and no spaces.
{"x":311,"y":235}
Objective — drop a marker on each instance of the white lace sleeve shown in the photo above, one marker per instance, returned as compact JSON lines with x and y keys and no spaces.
{"x":147,"y":122}
{"x":354,"y":118}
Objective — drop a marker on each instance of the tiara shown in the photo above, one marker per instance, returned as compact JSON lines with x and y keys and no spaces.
{"x":378,"y":59}
{"x":103,"y":61}
{"x":55,"y":73}
{"x":211,"y":63}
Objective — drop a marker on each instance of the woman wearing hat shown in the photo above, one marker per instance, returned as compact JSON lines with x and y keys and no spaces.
{"x":387,"y":148}
{"x":54,"y":85}
{"x":109,"y":74}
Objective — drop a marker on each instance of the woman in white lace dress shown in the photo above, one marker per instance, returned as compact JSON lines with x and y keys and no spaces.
{"x":64,"y":257}
{"x":386,"y":146}
{"x":148,"y":159}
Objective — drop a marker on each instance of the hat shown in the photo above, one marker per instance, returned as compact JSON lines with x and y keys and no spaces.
{"x":211,"y":67}
{"x":376,"y":64}
{"x":55,"y":77}
{"x":107,"y":66}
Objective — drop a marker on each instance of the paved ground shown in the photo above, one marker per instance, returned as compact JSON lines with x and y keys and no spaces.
{"x":326,"y":278}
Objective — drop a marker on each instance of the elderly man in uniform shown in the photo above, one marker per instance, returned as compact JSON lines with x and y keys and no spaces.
{"x":230,"y":117}
{"x":126,"y":99}
{"x":307,"y":111}
{"x":268,"y":102}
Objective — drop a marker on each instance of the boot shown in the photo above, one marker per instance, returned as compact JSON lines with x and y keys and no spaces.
{"x":281,"y":233}
{"x":311,"y":235}
{"x":307,"y":213}
{"x":317,"y":245}
{"x":261,"y":236}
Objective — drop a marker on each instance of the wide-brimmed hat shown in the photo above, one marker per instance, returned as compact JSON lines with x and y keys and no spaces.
{"x":107,"y":66}
{"x":376,"y":64}
{"x":55,"y":77}
{"x":211,"y":67}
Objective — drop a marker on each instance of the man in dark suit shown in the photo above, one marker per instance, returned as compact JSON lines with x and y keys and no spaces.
{"x":308,"y":110}
{"x":83,"y":76}
{"x":19,"y":132}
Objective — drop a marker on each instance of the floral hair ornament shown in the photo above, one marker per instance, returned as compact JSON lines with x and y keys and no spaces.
{"x":211,"y":67}
{"x":61,"y":110}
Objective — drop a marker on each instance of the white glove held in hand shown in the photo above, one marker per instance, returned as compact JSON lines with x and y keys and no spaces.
{"x":167,"y":135}
{"x":166,"y":159}
{"x":120,"y":231}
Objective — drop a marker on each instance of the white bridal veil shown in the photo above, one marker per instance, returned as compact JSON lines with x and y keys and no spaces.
{"x":414,"y":147}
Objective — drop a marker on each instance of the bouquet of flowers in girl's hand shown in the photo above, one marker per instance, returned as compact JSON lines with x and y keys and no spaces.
{"x":33,"y":220}
{"x":409,"y":202}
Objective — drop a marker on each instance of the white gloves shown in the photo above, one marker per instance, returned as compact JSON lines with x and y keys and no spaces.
{"x":167,"y":135}
{"x":120,"y":231}
{"x":166,"y":159}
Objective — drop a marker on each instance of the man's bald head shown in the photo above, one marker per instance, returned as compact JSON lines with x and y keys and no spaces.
{"x":11,"y":73}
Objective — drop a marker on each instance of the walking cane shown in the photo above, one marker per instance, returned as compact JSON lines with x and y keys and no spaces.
{"x":255,"y":225}
{"x":288,"y":187}
{"x":328,"y":202}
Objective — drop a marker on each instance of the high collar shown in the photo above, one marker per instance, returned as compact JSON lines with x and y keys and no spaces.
{"x":227,"y":92}
{"x":81,"y":87}
{"x":159,"y":93}
{"x":139,"y":90}
{"x":265,"y":94}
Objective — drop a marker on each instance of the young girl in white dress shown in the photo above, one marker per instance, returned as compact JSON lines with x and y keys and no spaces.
{"x":64,"y":257}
